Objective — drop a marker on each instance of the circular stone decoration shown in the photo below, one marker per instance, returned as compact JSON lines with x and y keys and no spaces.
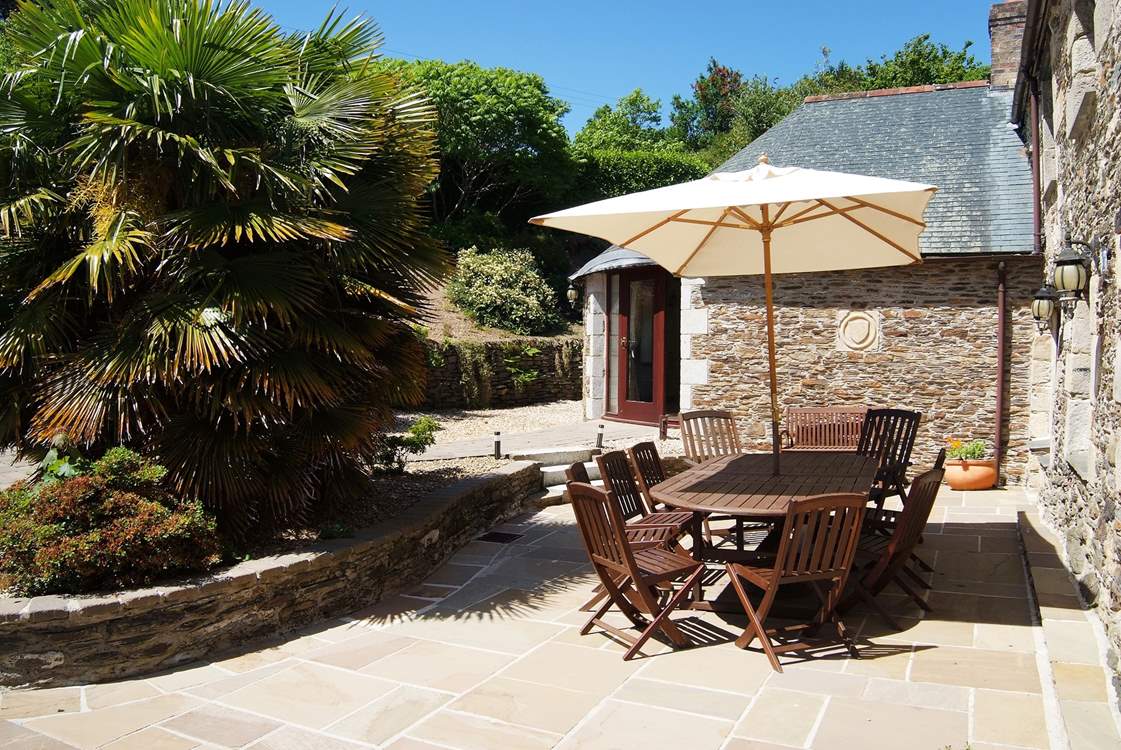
{"x":858,"y":331}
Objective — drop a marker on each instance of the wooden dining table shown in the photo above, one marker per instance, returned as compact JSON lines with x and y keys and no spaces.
{"x":745,"y":487}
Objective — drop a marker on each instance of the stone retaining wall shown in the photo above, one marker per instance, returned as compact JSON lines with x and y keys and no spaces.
{"x":58,"y":640}
{"x":503,"y":373}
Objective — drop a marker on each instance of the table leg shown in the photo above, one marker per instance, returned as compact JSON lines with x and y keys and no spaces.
{"x":698,"y":551}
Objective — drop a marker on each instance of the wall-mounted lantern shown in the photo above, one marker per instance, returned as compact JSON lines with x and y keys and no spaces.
{"x":573,"y":295}
{"x":1073,"y":267}
{"x":1043,"y":307}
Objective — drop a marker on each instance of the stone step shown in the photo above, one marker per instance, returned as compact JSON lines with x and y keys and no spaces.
{"x":566,"y":455}
{"x":553,"y":475}
{"x":1075,"y":677}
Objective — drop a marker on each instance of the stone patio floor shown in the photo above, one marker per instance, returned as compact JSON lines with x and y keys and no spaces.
{"x":487,"y":654}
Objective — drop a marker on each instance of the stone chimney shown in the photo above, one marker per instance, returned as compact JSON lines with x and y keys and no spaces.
{"x":1006,"y":32}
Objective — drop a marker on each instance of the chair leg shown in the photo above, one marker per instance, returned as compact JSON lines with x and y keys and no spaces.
{"x":911,"y":593}
{"x":867,"y":597}
{"x":664,"y":623}
{"x":915,"y":578}
{"x":922,"y":563}
{"x":755,"y":620}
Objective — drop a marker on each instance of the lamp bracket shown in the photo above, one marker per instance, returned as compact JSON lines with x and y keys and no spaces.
{"x":1095,"y":253}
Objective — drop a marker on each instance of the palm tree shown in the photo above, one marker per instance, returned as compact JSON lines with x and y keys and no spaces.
{"x":214,"y":243}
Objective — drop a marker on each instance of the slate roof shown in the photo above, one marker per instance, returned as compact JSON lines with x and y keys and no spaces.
{"x":956,"y":137}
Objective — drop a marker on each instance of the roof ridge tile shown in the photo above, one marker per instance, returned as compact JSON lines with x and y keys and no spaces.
{"x":924,"y":89}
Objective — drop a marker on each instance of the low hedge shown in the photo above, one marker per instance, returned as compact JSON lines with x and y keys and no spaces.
{"x":108,"y":525}
{"x":606,"y":174}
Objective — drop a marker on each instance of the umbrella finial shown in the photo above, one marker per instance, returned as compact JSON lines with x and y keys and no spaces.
{"x":764,"y":159}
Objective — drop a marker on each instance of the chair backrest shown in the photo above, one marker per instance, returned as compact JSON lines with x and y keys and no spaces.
{"x":825,"y":427}
{"x":648,"y":470}
{"x":602,"y":528}
{"x":889,"y":435}
{"x":820,"y":536}
{"x":908,"y":530}
{"x":710,"y":433}
{"x":615,"y":471}
{"x":940,"y":461}
{"x":577,"y":473}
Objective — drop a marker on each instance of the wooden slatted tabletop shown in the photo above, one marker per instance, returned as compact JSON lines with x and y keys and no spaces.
{"x":746,"y":486}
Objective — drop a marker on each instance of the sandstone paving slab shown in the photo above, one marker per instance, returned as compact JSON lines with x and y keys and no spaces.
{"x":741,"y":743}
{"x":921,"y":694}
{"x":572,"y":667}
{"x":1009,"y":637}
{"x":115,"y":693}
{"x":409,"y":743}
{"x":218,"y":688}
{"x":188,"y":676}
{"x":21,"y":704}
{"x":93,"y":729}
{"x":849,"y":723}
{"x":974,"y":667}
{"x":1090,"y":726}
{"x":440,"y":666}
{"x":782,"y":716}
{"x":467,"y":732}
{"x":1010,"y":718}
{"x":311,"y":695}
{"x":1071,"y":642}
{"x":221,"y":726}
{"x":295,"y":738}
{"x":816,"y":681}
{"x":481,"y":630}
{"x":154,"y":738}
{"x":717,"y":704}
{"x":1080,"y":682}
{"x":615,"y":724}
{"x":360,"y":650}
{"x":389,"y":715}
{"x":545,"y":707}
{"x":724,"y":668}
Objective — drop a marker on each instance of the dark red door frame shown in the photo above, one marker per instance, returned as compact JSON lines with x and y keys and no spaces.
{"x":641,"y":411}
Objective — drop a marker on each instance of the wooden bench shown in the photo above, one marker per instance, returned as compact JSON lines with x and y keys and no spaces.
{"x":823,"y":428}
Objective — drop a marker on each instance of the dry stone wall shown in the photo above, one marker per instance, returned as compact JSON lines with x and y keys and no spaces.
{"x":503,"y":373}
{"x":920,"y":337}
{"x":58,"y":640}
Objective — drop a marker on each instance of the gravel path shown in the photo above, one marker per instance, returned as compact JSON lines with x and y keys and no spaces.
{"x":463,"y":424}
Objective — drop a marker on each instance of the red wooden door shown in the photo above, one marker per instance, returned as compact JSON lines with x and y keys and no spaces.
{"x":641,"y":332}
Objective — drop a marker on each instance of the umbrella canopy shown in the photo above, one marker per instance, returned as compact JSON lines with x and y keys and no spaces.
{"x":725,"y":225}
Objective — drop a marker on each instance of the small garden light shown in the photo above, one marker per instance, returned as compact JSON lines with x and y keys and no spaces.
{"x":1043,"y":307}
{"x":573,"y":295}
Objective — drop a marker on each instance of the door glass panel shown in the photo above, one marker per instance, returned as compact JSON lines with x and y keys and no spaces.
{"x":640,"y":341}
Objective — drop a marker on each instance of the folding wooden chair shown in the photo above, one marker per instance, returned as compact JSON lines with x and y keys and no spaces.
{"x":881,"y":521}
{"x":816,"y":547}
{"x":889,"y":435}
{"x":615,"y":471}
{"x":638,"y":533}
{"x":883,"y":561}
{"x":708,"y":434}
{"x":636,"y":581}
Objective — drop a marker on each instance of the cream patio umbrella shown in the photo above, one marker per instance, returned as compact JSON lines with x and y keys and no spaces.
{"x":766,"y":220}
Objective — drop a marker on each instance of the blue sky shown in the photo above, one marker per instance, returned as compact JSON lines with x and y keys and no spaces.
{"x":591,"y":52}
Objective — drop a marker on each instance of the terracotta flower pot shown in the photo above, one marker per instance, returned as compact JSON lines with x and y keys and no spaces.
{"x":970,"y":474}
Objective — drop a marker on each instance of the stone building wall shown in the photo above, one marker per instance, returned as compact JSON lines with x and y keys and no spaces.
{"x":1078,"y":69}
{"x":920,"y":337}
{"x":503,"y":373}
{"x":59,"y":640}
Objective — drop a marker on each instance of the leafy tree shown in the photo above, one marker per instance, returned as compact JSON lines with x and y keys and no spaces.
{"x":500,"y":135}
{"x":921,"y":61}
{"x":214,"y":243}
{"x":711,"y":111}
{"x":634,"y":124}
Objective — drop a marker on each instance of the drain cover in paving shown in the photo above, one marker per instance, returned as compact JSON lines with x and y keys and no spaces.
{"x":500,"y":537}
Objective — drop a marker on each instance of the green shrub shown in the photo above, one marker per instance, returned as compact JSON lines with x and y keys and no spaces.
{"x":395,"y":449}
{"x":114,"y":527}
{"x":606,"y":174}
{"x":973,"y":450}
{"x":504,"y":289}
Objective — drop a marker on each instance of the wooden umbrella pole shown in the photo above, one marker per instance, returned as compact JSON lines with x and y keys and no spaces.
{"x":768,"y":292}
